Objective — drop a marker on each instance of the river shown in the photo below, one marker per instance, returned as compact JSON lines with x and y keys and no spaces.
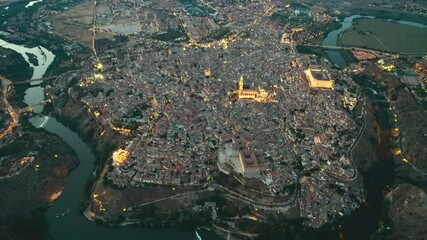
{"x":74,"y":225}
{"x":335,"y":56}
{"x":378,"y":172}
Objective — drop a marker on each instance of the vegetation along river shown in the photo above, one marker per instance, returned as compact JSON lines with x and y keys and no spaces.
{"x":335,"y":56}
{"x":74,"y":225}
{"x":378,"y":172}
{"x":359,"y":225}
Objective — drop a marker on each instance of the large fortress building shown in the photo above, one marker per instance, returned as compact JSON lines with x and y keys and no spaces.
{"x":318,"y":78}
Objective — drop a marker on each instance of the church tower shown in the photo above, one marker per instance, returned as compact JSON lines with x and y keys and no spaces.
{"x":241,"y":83}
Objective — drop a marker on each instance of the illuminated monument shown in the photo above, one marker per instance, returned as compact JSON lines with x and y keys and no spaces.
{"x":257,"y":95}
{"x":318,"y":78}
{"x":119,"y":157}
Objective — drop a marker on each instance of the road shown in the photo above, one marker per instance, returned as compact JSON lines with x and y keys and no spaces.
{"x":166,"y":198}
{"x":402,"y":155}
{"x":350,"y":150}
{"x":6,"y":83}
{"x":16,"y":173}
{"x":355,"y":48}
{"x":94,"y":31}
{"x":269,"y":206}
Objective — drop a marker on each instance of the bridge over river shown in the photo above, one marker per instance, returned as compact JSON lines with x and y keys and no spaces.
{"x":35,"y":80}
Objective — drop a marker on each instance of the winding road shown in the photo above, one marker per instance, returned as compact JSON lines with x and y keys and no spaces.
{"x":6,"y":83}
{"x":404,"y":157}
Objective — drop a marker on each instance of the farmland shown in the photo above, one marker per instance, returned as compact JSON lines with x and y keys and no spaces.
{"x":386,"y":36}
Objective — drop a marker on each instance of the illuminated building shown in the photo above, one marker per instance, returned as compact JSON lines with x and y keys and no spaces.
{"x":349,"y":102}
{"x":99,"y":66}
{"x":287,"y":36}
{"x":119,"y":157}
{"x":396,"y":151}
{"x":258,"y":95}
{"x":208,"y":73}
{"x":421,"y":67}
{"x":395,"y":132}
{"x":386,"y":66}
{"x":98,"y":76}
{"x":318,"y":78}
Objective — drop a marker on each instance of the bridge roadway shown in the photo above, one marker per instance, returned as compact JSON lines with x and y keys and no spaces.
{"x":35,"y":80}
{"x":14,"y":114}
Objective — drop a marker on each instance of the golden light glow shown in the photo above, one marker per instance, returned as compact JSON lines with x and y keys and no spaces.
{"x":287,"y":38}
{"x":92,"y":214}
{"x":284,"y":39}
{"x":98,"y":76}
{"x":316,"y":82}
{"x":54,"y":196}
{"x":258,"y":95}
{"x":26,"y":160}
{"x":13,"y":115}
{"x":99,"y":66}
{"x":124,"y":131}
{"x":253,"y":218}
{"x":119,"y":157}
{"x":395,"y":132}
{"x":385,"y":67}
{"x":397,"y":151}
{"x":208,"y":73}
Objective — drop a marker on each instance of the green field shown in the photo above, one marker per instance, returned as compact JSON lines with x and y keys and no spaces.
{"x":386,"y":36}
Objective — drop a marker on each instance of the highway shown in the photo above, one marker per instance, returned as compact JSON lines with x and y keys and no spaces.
{"x":13,"y":115}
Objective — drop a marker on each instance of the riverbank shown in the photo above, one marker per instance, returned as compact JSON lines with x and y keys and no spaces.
{"x":70,"y":111}
{"x":404,"y":213}
{"x":385,"y":36}
{"x":343,"y":58}
{"x":102,"y":139}
{"x":394,"y":15}
{"x":76,"y":117}
{"x":27,"y":195}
